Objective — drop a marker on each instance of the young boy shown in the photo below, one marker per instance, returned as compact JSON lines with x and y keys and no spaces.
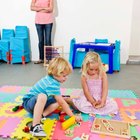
{"x":44,"y":97}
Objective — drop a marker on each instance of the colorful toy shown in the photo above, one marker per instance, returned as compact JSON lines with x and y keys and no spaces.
{"x":111,"y":127}
{"x":62,"y":117}
{"x":17,"y":108}
{"x":84,"y":137}
{"x":26,"y":129}
{"x":66,"y":124}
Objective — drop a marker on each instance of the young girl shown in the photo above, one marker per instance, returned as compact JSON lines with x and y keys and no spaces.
{"x":44,"y":97}
{"x":94,"y":98}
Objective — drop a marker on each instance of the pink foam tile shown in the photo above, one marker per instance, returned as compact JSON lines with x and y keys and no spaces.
{"x":8,"y":125}
{"x":63,"y":91}
{"x":59,"y":134}
{"x":128,"y":103}
{"x":104,"y":137}
{"x":10,"y":89}
{"x":138,"y":129}
{"x":74,"y":92}
{"x":14,"y":89}
{"x":1,"y":104}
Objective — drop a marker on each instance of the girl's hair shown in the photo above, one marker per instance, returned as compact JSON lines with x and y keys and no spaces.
{"x":91,"y":57}
{"x":58,"y":65}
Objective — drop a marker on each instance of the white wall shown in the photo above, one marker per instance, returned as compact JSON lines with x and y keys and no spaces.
{"x":135,"y":32}
{"x":83,"y":19}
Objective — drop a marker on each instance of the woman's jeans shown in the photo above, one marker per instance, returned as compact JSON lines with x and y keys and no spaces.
{"x":44,"y":37}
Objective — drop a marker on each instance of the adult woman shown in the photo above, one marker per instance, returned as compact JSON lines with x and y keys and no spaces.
{"x":44,"y":21}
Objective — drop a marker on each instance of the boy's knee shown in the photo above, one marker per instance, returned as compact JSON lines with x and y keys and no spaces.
{"x":42,"y":97}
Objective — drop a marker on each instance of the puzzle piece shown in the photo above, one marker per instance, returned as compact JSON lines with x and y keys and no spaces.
{"x":5,"y":129}
{"x":14,"y":89}
{"x":126,"y":113}
{"x":19,"y":133}
{"x":48,"y":126}
{"x":6,"y":110}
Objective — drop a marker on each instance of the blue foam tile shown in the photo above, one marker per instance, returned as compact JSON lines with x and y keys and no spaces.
{"x":122,"y":94}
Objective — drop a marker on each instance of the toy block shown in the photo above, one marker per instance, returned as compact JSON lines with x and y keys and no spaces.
{"x":66,"y":124}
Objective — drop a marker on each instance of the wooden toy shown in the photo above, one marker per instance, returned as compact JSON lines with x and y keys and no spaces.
{"x":52,"y":52}
{"x":132,"y":117}
{"x":66,"y":124}
{"x":133,"y":123}
{"x":84,"y":137}
{"x":111,"y":127}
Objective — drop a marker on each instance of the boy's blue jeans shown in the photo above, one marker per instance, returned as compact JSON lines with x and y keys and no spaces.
{"x":30,"y":103}
{"x":44,"y":36}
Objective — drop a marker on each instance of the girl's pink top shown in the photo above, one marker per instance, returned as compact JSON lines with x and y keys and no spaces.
{"x":95,"y":89}
{"x":43,"y":18}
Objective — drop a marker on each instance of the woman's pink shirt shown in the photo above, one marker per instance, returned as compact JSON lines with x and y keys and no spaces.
{"x":43,"y":18}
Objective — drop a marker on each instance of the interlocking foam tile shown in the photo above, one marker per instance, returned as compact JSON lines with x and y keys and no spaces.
{"x":6,"y":110}
{"x":125,"y":113}
{"x":14,"y":89}
{"x":59,"y":134}
{"x":104,"y":137}
{"x":117,"y":117}
{"x":19,"y":133}
{"x":103,"y":116}
{"x":122,"y":94}
{"x":48,"y":126}
{"x":128,"y":103}
{"x":68,"y":91}
{"x":5,"y":128}
{"x":135,"y":131}
{"x":1,"y":104}
{"x":10,"y":96}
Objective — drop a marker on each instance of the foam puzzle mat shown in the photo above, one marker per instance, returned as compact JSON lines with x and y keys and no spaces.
{"x":11,"y":96}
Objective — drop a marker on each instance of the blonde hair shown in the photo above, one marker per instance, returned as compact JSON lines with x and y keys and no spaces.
{"x":59,"y":65}
{"x":91,"y":57}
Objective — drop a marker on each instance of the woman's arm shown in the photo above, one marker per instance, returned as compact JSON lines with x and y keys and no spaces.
{"x":50,"y":7}
{"x":46,"y":9}
{"x":86,"y":91}
{"x":33,"y":7}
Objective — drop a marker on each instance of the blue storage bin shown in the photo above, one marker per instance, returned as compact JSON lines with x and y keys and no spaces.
{"x":79,"y":54}
{"x":7,"y":33}
{"x":5,"y":50}
{"x":19,"y":45}
{"x":20,"y":59}
{"x":21,"y":31}
{"x":0,"y":55}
